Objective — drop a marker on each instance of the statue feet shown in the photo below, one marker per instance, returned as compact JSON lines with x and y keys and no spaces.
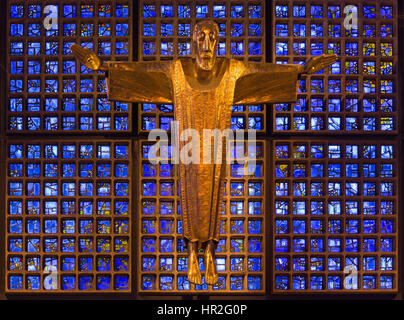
{"x":211,"y":276}
{"x":194,"y":274}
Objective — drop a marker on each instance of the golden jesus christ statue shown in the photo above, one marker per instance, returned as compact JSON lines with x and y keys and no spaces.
{"x":203,"y":91}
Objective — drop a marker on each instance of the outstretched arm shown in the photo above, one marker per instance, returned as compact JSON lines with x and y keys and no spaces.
{"x":275,"y":83}
{"x":147,"y":82}
{"x":267,"y":83}
{"x":318,"y":63}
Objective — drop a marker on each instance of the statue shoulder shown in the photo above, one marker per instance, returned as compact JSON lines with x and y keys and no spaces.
{"x":157,"y":66}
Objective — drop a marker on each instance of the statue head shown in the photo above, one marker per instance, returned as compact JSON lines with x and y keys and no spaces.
{"x":205,"y":42}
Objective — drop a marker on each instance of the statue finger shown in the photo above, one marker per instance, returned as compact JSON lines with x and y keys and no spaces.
{"x":333,"y":58}
{"x":330,"y":59}
{"x":80,"y":56}
{"x":75,"y":48}
{"x":325,"y":65}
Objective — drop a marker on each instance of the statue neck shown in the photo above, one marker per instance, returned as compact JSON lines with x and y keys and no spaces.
{"x":201,"y":79}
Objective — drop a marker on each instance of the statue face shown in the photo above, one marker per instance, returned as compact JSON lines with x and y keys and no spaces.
{"x":205,"y":42}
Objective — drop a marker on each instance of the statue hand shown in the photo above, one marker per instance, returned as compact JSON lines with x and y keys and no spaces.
{"x":87,"y":57}
{"x":319,"y":62}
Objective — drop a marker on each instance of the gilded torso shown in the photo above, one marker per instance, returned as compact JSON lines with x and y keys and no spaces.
{"x":204,"y":108}
{"x":201,"y":185}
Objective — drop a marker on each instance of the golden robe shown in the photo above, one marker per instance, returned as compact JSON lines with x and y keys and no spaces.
{"x":201,"y":185}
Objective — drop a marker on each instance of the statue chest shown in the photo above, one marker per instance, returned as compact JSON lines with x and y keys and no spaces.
{"x":190,"y":92}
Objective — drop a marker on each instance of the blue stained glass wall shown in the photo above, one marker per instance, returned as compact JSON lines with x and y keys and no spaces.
{"x":68,"y":201}
{"x":48,"y":90}
{"x":68,"y":216}
{"x":358,"y":93}
{"x":335,"y":216}
{"x":334,"y":203}
{"x":334,"y":211}
{"x":166,"y":28}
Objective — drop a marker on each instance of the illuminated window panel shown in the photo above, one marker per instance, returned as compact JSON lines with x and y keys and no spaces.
{"x":48,"y":90}
{"x":355,"y":77}
{"x":240,"y":254}
{"x":335,"y":216}
{"x":68,"y":217}
{"x":166,"y":33}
